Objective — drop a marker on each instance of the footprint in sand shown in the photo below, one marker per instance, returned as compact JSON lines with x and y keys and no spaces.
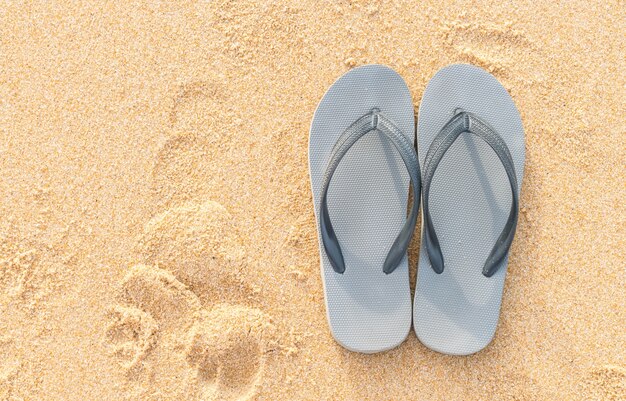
{"x":607,"y":383}
{"x":193,"y":162}
{"x":187,"y":316}
{"x":500,"y":49}
{"x":246,"y":32}
{"x":187,"y":323}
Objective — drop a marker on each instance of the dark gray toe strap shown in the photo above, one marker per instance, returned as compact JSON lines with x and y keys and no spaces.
{"x":460,"y":123}
{"x":371,"y":122}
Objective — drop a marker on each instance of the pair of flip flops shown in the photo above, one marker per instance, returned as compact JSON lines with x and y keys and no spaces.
{"x":468,"y":172}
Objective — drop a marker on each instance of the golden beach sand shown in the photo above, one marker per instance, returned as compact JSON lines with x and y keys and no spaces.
{"x":157,"y":237}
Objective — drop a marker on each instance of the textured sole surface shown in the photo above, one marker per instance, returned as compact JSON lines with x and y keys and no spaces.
{"x":368,"y":311}
{"x":457,"y":312}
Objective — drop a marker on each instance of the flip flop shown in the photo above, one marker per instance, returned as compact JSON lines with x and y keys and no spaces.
{"x":361,"y":160}
{"x":471,"y":143}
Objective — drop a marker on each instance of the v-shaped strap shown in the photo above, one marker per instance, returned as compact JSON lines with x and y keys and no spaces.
{"x":460,"y":123}
{"x":371,"y":122}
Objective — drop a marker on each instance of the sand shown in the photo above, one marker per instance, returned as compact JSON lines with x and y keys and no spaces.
{"x":157,"y":237}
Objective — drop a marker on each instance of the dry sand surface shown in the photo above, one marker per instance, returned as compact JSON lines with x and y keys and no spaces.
{"x":157,"y":237}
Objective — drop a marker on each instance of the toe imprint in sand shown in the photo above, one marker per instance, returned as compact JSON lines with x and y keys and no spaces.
{"x":607,"y":383}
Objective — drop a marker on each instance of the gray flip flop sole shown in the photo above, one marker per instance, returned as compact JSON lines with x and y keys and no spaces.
{"x":456,"y":312}
{"x":368,"y":311}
